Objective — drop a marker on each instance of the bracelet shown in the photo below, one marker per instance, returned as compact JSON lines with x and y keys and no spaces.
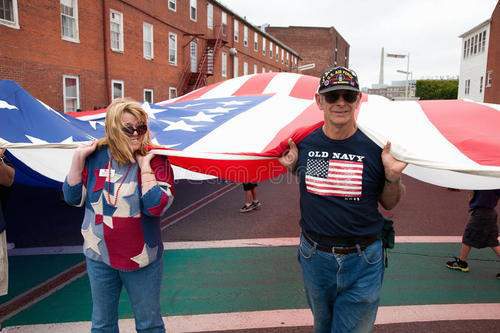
{"x":393,"y":181}
{"x":147,"y":172}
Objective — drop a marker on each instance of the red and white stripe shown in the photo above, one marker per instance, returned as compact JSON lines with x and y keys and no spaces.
{"x":345,"y":179}
{"x":451,"y":143}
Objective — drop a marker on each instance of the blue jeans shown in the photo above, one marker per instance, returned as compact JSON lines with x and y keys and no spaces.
{"x":143,"y":287}
{"x":342,"y":290}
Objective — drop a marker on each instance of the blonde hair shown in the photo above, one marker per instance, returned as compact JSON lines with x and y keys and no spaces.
{"x":115,"y":138}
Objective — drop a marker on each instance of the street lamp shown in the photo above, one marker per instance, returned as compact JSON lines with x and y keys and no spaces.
{"x":401,"y":56}
{"x":407,"y":92}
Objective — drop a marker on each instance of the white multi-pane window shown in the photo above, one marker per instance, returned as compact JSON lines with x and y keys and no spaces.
{"x":69,"y":20}
{"x":489,"y":79}
{"x":481,"y":84}
{"x":172,"y":48}
{"x":193,"y":56}
{"x":245,"y":36}
{"x":287,"y":58}
{"x":245,"y":68}
{"x":117,"y":89}
{"x":224,"y":64}
{"x":148,"y":96}
{"x":263,"y":69}
{"x":8,"y":13}
{"x":467,"y":87}
{"x":255,"y":68}
{"x":270,"y":49}
{"x":263,"y":46}
{"x":277,"y":53}
{"x":210,"y":16}
{"x":295,"y":60}
{"x":116,"y":30}
{"x":236,"y":30}
{"x":235,"y":67}
{"x":147,"y":36}
{"x":224,"y":23}
{"x":71,"y":93}
{"x":172,"y":5}
{"x":193,"y":10}
{"x":255,"y":42}
{"x":172,"y":92}
{"x":282,"y":56}
{"x":484,"y":40}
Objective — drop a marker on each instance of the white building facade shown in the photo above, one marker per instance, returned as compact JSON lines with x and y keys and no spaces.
{"x":473,"y":60}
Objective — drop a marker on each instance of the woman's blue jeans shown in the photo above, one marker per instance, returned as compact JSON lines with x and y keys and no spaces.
{"x":342,"y":290}
{"x":143,"y":287}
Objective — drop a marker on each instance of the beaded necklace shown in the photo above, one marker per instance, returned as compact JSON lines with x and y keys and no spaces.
{"x":119,"y":186}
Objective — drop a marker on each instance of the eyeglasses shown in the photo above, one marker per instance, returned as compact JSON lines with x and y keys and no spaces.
{"x":349,"y":96}
{"x":129,"y":129}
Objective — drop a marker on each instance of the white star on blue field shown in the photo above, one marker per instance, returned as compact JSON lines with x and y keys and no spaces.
{"x":26,"y":119}
{"x":182,"y":124}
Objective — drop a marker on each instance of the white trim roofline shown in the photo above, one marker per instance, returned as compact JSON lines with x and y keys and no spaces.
{"x":477,"y":27}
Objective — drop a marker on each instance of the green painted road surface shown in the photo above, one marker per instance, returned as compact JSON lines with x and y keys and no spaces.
{"x":25,"y":272}
{"x":204,"y":281}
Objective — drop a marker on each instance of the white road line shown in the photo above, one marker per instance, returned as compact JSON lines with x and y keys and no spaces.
{"x":252,"y":242}
{"x":284,"y":318}
{"x":197,"y":205}
{"x":291,"y":241}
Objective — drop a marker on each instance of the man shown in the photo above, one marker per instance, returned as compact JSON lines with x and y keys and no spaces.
{"x":343,"y":176}
{"x":6,"y":180}
{"x":481,"y":230}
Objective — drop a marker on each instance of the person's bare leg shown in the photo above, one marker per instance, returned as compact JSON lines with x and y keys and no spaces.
{"x":464,"y":252}
{"x":496,"y":249}
{"x":248,"y":197}
{"x":253,"y":195}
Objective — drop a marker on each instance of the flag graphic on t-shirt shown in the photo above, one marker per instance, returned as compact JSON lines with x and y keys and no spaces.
{"x":334,"y":177}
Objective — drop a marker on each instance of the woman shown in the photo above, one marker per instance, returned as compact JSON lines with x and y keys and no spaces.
{"x":125,"y":191}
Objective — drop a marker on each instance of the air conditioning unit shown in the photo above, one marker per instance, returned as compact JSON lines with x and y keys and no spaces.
{"x":233,"y":51}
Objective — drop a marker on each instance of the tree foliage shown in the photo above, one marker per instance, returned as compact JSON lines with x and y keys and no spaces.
{"x":437,"y":89}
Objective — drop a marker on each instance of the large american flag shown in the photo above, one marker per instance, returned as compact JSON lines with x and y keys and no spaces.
{"x":236,"y":129}
{"x":334,"y":177}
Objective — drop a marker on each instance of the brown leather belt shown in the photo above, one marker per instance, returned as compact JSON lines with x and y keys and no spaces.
{"x":339,"y":249}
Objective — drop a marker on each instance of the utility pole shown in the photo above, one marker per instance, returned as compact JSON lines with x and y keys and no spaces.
{"x":381,"y":75}
{"x":407,"y":73}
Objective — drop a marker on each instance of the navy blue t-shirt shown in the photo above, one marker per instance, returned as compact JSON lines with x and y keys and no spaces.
{"x":340,"y":185}
{"x":484,"y":199}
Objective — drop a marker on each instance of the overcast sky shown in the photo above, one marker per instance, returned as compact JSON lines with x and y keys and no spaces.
{"x":427,"y":29}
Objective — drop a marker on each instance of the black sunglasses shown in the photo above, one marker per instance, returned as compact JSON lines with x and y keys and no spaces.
{"x":349,"y":96}
{"x":129,"y":129}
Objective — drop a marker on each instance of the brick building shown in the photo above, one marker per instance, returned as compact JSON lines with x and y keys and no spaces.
{"x":80,"y":54}
{"x":492,"y":82}
{"x":320,"y":46}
